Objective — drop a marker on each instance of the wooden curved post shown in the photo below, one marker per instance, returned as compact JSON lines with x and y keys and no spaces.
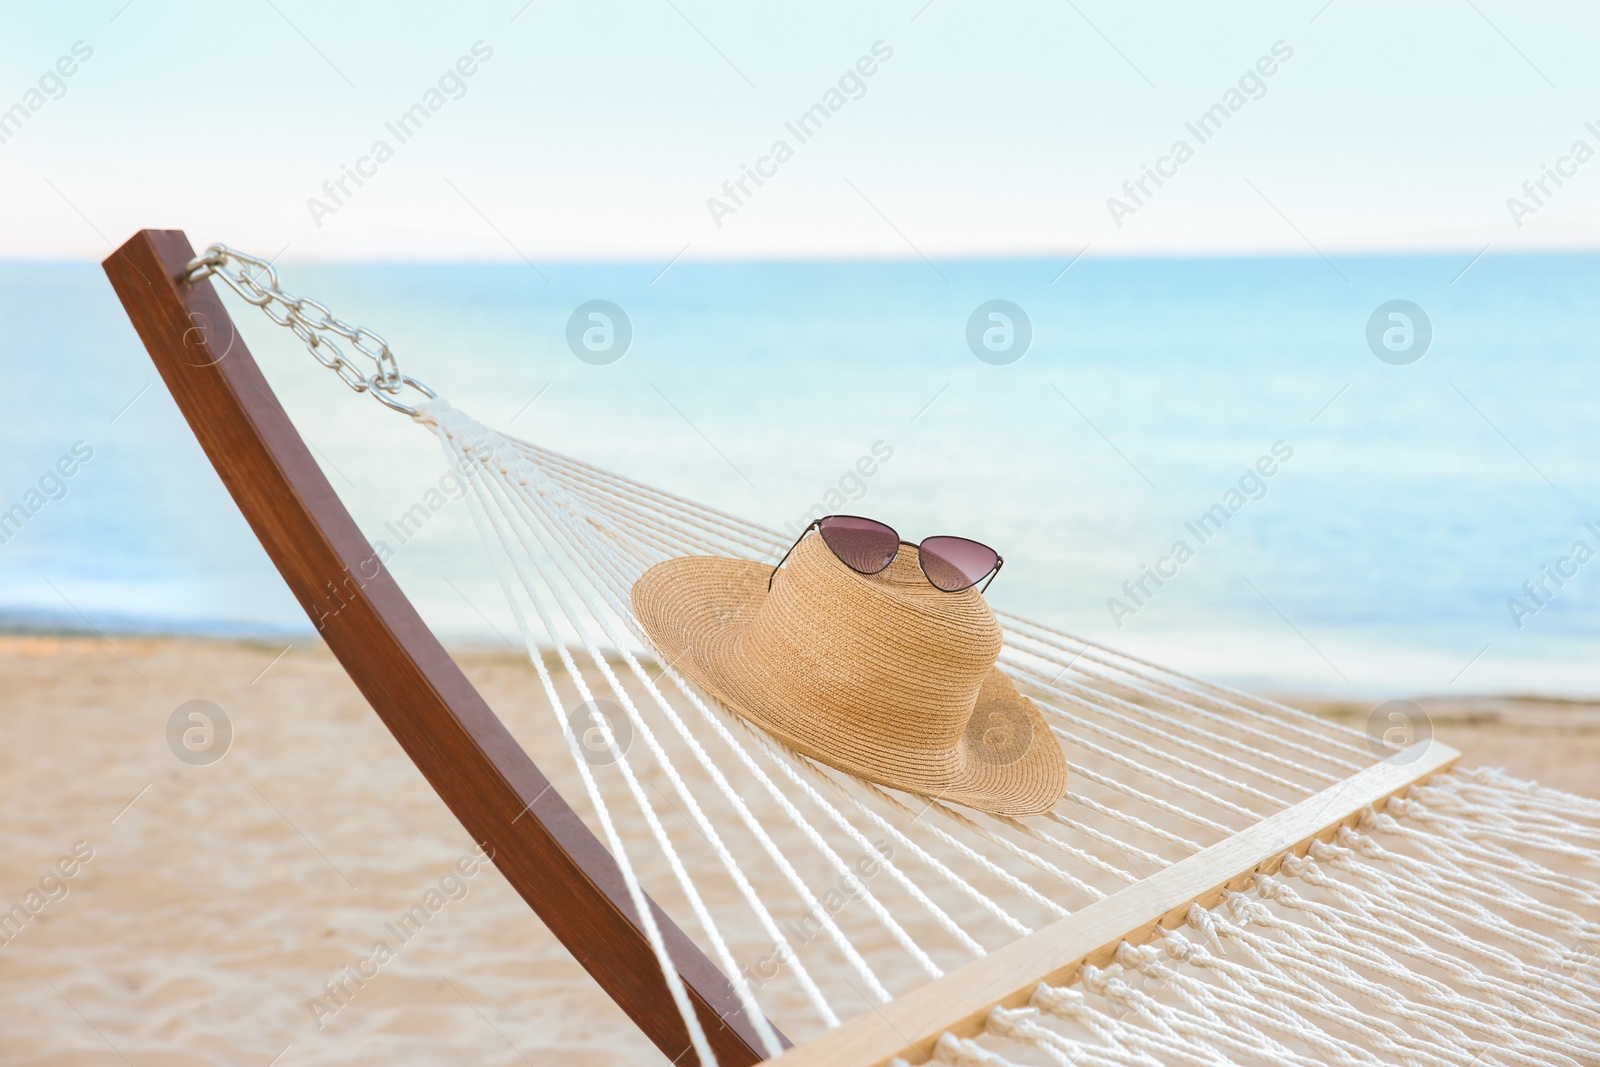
{"x":538,"y":842}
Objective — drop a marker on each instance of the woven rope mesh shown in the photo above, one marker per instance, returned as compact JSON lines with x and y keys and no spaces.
{"x":1457,"y":927}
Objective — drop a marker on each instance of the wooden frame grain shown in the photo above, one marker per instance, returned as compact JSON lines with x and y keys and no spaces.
{"x":538,"y":842}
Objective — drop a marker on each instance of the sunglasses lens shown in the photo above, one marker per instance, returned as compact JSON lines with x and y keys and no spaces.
{"x":954,"y":563}
{"x":861,"y":544}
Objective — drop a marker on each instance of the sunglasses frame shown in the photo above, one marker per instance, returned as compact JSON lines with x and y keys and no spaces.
{"x":816,"y":524}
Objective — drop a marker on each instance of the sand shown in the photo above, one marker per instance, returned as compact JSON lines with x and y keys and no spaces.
{"x":217,"y":899}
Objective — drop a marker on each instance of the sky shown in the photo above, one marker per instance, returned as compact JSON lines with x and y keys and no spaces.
{"x":618,"y":131}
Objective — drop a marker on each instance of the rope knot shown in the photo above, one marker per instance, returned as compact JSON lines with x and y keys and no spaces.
{"x":1279,"y":890}
{"x":1146,"y":959}
{"x":1322,"y":850}
{"x":1442,"y":798}
{"x":1179,"y":948}
{"x":1404,"y":807}
{"x":963,"y":1053}
{"x":1202,"y":920}
{"x":428,"y":412}
{"x":1094,"y":979}
{"x":1059,"y":1001}
{"x":1383,"y":823}
{"x":1361,"y":844}
{"x":1445,"y":783}
{"x":1108,"y":983}
{"x":1010,"y":1022}
{"x":1246,"y":911}
{"x":1297,"y":866}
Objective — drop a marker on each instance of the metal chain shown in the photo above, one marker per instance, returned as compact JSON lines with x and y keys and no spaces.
{"x":256,"y":280}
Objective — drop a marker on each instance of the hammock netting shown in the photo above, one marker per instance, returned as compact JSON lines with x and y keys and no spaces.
{"x":1456,"y":926}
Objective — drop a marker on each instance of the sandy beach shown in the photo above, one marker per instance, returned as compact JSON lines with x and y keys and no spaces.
{"x":190,"y":914}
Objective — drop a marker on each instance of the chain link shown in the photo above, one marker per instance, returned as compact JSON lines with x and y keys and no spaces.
{"x":256,"y":280}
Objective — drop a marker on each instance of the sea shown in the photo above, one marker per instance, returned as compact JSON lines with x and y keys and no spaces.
{"x":1371,"y":476}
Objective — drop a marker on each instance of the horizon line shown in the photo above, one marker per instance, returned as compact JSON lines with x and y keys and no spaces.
{"x":835,"y":258}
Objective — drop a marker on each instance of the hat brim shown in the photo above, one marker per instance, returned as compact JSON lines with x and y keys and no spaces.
{"x":695,"y":609}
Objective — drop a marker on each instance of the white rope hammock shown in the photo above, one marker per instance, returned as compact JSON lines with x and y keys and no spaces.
{"x":1459,"y":926}
{"x":1456,"y":925}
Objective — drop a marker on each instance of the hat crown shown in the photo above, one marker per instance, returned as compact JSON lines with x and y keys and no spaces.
{"x":880,"y":676}
{"x":888,"y":654}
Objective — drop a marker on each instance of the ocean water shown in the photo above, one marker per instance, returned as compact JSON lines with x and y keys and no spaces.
{"x":1386,"y":553}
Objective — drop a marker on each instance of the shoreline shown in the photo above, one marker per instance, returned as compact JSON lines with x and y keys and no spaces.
{"x":1551,"y":738}
{"x":1508,"y":704}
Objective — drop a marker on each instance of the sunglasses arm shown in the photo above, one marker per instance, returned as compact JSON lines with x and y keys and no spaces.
{"x":999,"y":561}
{"x":814,"y":524}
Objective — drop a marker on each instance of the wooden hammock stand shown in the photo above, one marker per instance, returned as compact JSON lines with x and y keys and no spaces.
{"x":486,"y":779}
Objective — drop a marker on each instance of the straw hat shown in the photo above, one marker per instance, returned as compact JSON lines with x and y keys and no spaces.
{"x":882,"y":676}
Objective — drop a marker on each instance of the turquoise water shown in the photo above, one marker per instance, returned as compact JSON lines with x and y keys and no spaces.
{"x":1378,"y":558}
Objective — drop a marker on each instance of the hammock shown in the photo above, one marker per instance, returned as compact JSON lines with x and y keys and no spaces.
{"x":1228,"y":880}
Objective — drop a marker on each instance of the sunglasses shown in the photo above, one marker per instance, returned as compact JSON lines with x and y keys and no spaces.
{"x":867,"y":546}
